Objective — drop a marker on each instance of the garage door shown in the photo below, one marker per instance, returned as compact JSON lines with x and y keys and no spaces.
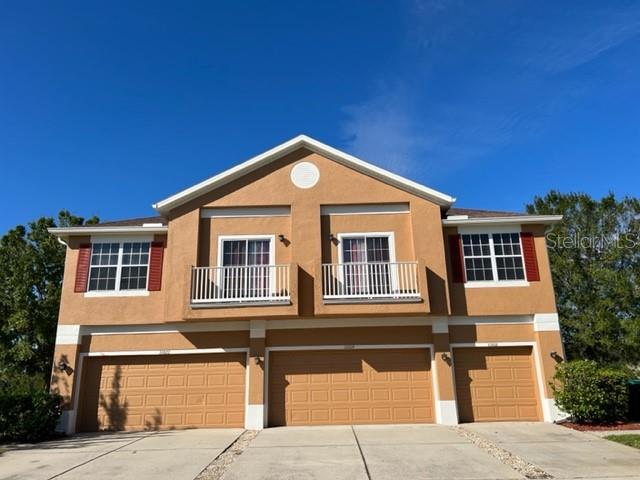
{"x":495,"y":384}
{"x":164,"y":391}
{"x":350,"y":387}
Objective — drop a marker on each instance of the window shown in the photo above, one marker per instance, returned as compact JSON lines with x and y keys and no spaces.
{"x":508,"y":256}
{"x":119,"y":266}
{"x":493,"y":257}
{"x":246,"y":272}
{"x":477,"y":257}
{"x":366,"y":264}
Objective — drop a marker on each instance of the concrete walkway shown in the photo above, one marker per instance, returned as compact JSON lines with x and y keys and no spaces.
{"x":361,"y":452}
{"x":178,"y":454}
{"x":562,"y":452}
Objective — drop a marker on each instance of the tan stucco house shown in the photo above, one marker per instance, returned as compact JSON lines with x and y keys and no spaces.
{"x":306,"y":287}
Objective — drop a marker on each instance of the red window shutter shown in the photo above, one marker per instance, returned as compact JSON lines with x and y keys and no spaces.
{"x":530,"y":259}
{"x":155,"y":266}
{"x":82,"y":268}
{"x":455,"y":251}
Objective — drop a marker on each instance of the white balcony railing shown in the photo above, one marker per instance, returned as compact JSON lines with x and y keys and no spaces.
{"x":247,"y":284}
{"x":363,"y":281}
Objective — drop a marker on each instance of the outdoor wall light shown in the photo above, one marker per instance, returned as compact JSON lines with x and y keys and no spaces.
{"x":282,"y":237}
{"x":62,"y":366}
{"x":444,"y":356}
{"x":556,"y":357}
{"x":332,"y":237}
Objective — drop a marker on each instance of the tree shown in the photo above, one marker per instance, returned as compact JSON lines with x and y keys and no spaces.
{"x":32,"y":263}
{"x":595,"y":263}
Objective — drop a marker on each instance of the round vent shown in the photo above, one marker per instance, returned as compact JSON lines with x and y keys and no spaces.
{"x":305,"y":175}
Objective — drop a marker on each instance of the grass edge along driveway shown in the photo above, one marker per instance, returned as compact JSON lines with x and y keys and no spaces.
{"x":629,"y":439}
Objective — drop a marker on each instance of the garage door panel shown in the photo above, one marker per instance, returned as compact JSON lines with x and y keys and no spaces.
{"x":495,"y":384}
{"x":338,"y":387}
{"x":150,"y":392}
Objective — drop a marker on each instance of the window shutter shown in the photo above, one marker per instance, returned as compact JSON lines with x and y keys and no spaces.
{"x":155,"y":266}
{"x":530,"y":259}
{"x":455,"y":251}
{"x":82,"y":268}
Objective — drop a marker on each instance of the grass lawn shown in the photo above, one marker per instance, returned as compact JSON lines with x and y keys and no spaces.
{"x":631,"y":439}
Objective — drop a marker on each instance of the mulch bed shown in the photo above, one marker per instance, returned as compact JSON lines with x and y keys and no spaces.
{"x":602,"y":427}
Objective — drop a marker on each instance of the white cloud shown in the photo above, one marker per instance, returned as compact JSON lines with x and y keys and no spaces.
{"x":383,"y":130}
{"x":503,"y":65}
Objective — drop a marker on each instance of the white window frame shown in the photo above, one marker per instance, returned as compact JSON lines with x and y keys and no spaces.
{"x":272,"y":254}
{"x":120,"y":240}
{"x":489,"y":230}
{"x":392,"y":252}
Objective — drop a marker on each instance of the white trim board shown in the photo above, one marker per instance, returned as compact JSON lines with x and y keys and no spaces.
{"x":365,"y":209}
{"x":98,"y":230}
{"x":511,"y":220}
{"x":183,"y":351}
{"x":302,"y":141}
{"x":245,"y":212}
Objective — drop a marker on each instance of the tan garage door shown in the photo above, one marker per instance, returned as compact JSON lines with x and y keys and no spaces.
{"x":350,"y":387}
{"x":165,"y":391}
{"x":495,"y":384}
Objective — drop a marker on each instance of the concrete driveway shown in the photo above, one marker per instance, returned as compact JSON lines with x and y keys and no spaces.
{"x":562,"y":452}
{"x":334,"y":453}
{"x":178,"y":454}
{"x":361,"y":452}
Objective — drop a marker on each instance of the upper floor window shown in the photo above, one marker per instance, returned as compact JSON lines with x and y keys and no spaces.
{"x":493,"y":257}
{"x":365,"y":260}
{"x":246,"y":252}
{"x":366,"y":249}
{"x":245,"y":263}
{"x":119,"y":266}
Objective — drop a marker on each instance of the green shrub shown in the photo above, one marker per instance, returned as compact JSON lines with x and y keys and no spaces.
{"x":28,"y":416}
{"x":590,"y":392}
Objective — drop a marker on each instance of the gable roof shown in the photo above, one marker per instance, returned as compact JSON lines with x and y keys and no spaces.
{"x":301,"y":141}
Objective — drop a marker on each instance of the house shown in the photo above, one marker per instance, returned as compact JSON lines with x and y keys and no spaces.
{"x":306,"y":287}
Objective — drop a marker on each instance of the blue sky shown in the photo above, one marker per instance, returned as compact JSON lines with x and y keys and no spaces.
{"x":107,"y":107}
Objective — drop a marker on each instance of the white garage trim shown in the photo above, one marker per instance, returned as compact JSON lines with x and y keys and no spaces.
{"x":287,"y":348}
{"x":548,"y":414}
{"x":71,"y":416}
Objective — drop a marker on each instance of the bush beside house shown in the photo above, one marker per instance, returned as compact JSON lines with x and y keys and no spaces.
{"x":28,"y":416}
{"x":591,"y":393}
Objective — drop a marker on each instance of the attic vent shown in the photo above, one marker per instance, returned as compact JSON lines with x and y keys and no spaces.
{"x":305,"y":175}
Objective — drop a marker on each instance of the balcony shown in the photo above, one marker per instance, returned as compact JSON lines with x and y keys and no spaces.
{"x":240,"y":286}
{"x":370,"y":282}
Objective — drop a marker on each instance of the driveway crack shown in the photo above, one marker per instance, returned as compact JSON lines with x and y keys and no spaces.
{"x":364,"y":461}
{"x":100,"y":456}
{"x":520,"y":465}
{"x":219,"y":466}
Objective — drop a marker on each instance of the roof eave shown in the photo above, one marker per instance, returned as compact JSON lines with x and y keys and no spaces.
{"x":524,"y":219}
{"x":97,"y":230}
{"x":164,"y":206}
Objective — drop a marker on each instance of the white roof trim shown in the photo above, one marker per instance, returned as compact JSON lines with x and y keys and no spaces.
{"x":300,"y":141}
{"x":66,"y":231}
{"x":523,"y":219}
